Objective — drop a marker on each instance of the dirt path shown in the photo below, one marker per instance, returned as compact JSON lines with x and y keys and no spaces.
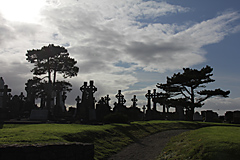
{"x":147,"y":149}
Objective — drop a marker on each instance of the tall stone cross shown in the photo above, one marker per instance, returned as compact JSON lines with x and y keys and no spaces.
{"x":134,"y":100}
{"x":154,"y":95}
{"x":91,"y":89}
{"x":78,"y":99}
{"x":84,"y":92}
{"x":120,"y":97}
{"x":148,"y":96}
{"x":5,"y":91}
{"x":107,"y":99}
{"x":144,"y":109}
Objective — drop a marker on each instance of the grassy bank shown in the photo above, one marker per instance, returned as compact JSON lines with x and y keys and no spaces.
{"x":107,"y":139}
{"x":215,"y":143}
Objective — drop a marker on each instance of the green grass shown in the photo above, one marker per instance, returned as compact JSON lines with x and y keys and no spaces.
{"x":215,"y":143}
{"x":107,"y":139}
{"x":42,"y":133}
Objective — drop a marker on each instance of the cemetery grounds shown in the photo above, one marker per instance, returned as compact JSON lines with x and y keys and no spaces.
{"x":204,"y":141}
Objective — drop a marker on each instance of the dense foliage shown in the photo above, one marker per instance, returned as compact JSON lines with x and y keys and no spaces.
{"x":48,"y":61}
{"x":184,"y":88}
{"x":51,"y":60}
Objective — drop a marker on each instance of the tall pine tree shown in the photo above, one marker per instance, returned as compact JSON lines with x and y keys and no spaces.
{"x":185,"y":87}
{"x":51,"y":60}
{"x":48,"y":62}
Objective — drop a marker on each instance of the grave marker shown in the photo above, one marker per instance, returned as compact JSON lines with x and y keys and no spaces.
{"x":39,"y":115}
{"x":102,"y":108}
{"x":134,"y":100}
{"x":87,"y":109}
{"x":197,"y":116}
{"x":154,"y":95}
{"x":84,"y":92}
{"x":91,"y":89}
{"x":21,"y":96}
{"x":1,"y":93}
{"x":107,"y":99}
{"x":78,"y":99}
{"x":120,"y":98}
{"x":5,"y":96}
{"x":144,"y":111}
{"x":148,"y":96}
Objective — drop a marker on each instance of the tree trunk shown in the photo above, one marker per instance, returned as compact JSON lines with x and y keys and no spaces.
{"x":55,"y":74}
{"x":49,"y":72}
{"x":191,"y":111}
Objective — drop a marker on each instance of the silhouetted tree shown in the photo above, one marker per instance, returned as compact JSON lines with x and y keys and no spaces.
{"x":185,"y":87}
{"x":48,"y":61}
{"x":51,"y":60}
{"x":34,"y":86}
{"x":38,"y":86}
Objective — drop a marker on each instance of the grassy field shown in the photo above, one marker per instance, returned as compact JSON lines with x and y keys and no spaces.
{"x":215,"y":143}
{"x":107,"y":139}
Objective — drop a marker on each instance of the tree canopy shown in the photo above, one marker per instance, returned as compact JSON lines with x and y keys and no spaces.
{"x":51,"y":60}
{"x":48,"y":62}
{"x":185,"y":88}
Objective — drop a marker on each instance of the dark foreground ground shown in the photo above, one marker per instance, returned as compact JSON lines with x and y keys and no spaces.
{"x":148,"y":148}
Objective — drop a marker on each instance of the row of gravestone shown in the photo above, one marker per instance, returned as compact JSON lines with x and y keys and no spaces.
{"x":20,"y":106}
{"x":12,"y":106}
{"x":85,"y":106}
{"x":86,"y":110}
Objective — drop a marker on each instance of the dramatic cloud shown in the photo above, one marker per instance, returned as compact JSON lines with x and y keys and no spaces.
{"x":111,"y":40}
{"x":116,"y":32}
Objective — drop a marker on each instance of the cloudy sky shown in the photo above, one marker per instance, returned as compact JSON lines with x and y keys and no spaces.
{"x":130,"y":44}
